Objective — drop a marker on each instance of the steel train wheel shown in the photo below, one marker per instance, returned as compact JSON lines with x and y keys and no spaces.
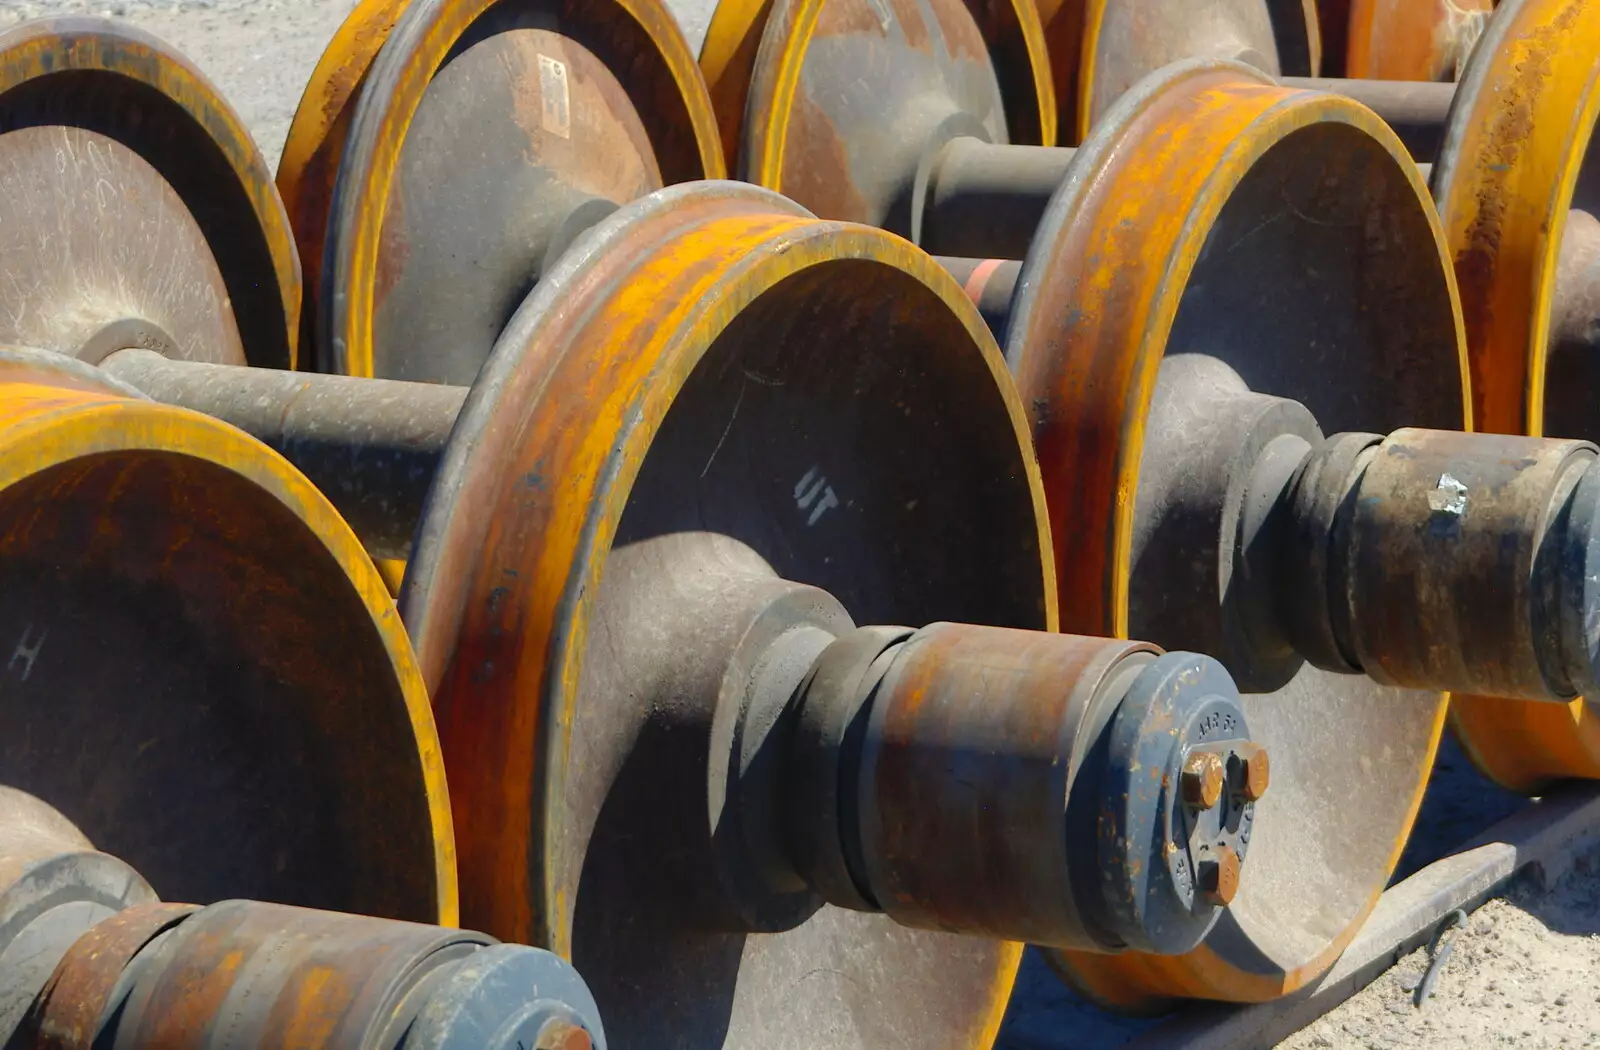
{"x":801,"y":128}
{"x":1286,"y":234}
{"x":491,"y":131}
{"x":188,"y":234}
{"x":797,"y":115}
{"x":706,"y":373}
{"x":206,"y":675}
{"x":1100,"y":48}
{"x":1400,"y":39}
{"x":931,"y":42}
{"x":1519,"y":192}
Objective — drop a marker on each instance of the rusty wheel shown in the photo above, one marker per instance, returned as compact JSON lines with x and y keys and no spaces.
{"x":710,"y":404}
{"x":201,"y":654}
{"x":135,"y":203}
{"x":798,"y":117}
{"x":1101,"y":48}
{"x":1399,"y":39}
{"x":936,"y":58}
{"x":1519,"y":191}
{"x":1283,"y":239}
{"x":485,"y":134}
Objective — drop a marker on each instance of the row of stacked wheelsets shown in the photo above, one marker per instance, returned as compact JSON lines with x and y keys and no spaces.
{"x":763,"y":584}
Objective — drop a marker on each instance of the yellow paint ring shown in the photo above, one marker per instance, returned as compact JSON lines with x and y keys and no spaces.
{"x":1022,"y":60}
{"x":309,"y":164}
{"x":1522,"y":121}
{"x":46,"y":426}
{"x":1094,"y":20}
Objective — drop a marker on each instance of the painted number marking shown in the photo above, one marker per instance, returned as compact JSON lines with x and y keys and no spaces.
{"x":27,"y":651}
{"x":816,"y":495}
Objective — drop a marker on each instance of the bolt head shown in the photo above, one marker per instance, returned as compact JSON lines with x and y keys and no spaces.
{"x":1219,"y":878}
{"x":563,"y":1035}
{"x":1204,"y":777}
{"x":1255,"y":771}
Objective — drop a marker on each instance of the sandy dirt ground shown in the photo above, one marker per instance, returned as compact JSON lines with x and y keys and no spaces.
{"x":1522,"y":973}
{"x":1526,"y":969}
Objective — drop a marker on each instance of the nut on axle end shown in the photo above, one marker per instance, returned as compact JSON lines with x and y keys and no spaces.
{"x":1203,"y":778}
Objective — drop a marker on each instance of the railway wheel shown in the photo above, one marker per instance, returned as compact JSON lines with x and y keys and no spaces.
{"x":439,"y":138}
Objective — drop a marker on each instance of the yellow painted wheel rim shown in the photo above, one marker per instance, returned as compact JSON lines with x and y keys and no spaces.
{"x":1522,"y":122}
{"x":46,"y":426}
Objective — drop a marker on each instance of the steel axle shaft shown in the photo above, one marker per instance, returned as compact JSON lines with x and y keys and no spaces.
{"x":1428,"y":559}
{"x":93,"y":958}
{"x":1332,"y":551}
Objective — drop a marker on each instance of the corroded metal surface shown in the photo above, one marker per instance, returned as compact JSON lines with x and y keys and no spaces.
{"x":93,"y":959}
{"x":735,"y":361}
{"x":1220,"y":219}
{"x":956,"y":746}
{"x":1516,"y":190}
{"x":246,"y":973}
{"x":566,"y":110}
{"x":153,"y":549}
{"x":124,"y":125}
{"x":1125,"y":40}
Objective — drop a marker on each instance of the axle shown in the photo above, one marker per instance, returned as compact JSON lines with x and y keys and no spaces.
{"x":371,"y":445}
{"x":93,"y":958}
{"x":922,"y":774}
{"x":1418,"y":111}
{"x":1334,"y":553}
{"x":841,"y":739}
{"x":973,"y":197}
{"x":1426,"y":559}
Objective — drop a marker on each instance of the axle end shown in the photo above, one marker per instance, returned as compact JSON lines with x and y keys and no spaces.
{"x":1176,"y":804}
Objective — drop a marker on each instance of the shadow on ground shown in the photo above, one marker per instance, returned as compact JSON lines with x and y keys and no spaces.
{"x":1460,"y":804}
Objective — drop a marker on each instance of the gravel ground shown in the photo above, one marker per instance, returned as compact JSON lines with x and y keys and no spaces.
{"x":1522,"y":973}
{"x":1524,"y":970}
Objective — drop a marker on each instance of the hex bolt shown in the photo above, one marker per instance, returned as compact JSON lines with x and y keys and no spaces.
{"x":1203,"y":779}
{"x":1255,"y":771}
{"x":1218,"y":877}
{"x":563,"y":1035}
